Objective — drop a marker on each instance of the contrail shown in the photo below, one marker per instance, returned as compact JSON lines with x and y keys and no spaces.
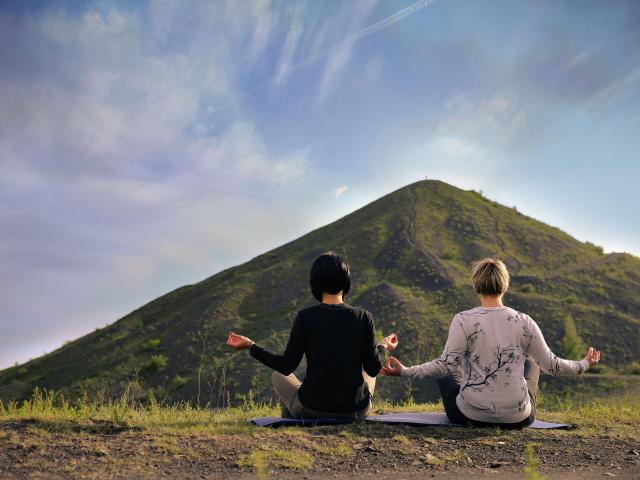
{"x":353,"y":38}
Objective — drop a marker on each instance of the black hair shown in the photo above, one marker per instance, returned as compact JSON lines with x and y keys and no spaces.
{"x":330,"y":273}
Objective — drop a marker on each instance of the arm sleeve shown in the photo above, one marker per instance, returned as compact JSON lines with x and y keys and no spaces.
{"x":454,"y":351}
{"x":548,"y":361}
{"x":290,"y":359}
{"x":372,"y":354}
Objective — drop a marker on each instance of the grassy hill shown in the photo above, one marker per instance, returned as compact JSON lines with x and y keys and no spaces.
{"x":410,"y":252}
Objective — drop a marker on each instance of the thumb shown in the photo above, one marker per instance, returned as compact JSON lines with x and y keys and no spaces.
{"x":392,"y":362}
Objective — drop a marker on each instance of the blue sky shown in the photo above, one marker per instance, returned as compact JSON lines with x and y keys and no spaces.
{"x":147,"y":145}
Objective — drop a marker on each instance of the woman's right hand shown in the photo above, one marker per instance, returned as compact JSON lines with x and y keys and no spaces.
{"x":392,"y":367}
{"x":593,"y":356}
{"x":238,"y":342}
{"x":390,"y":342}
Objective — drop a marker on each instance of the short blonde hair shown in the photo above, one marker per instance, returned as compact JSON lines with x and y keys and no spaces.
{"x":490,"y":277}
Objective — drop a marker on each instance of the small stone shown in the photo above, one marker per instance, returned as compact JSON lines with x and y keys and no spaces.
{"x":608,"y":474}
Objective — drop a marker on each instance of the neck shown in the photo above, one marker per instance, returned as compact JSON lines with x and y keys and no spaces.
{"x":332,"y":299}
{"x":491,"y":301}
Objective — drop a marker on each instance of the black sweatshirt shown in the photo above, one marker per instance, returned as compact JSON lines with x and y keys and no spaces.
{"x":339,"y":342}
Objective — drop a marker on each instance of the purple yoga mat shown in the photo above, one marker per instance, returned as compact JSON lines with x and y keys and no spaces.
{"x":417,"y":419}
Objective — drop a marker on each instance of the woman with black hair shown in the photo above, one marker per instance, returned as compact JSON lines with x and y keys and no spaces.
{"x":339,"y":342}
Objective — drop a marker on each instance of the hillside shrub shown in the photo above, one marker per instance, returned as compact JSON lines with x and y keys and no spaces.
{"x":572,"y":345}
{"x":157,"y":363}
{"x":527,"y":288}
{"x":596,"y":248}
{"x":179,"y":381}
{"x":633,"y":368}
{"x":151,"y":344}
{"x":448,"y":255}
{"x":601,"y":369}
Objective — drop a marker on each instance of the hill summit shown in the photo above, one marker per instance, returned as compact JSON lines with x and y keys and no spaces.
{"x":410,"y":253}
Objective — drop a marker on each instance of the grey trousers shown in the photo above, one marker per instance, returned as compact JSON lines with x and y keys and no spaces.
{"x":286,"y":388}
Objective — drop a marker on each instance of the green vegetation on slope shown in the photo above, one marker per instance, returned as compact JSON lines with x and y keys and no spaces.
{"x":410,"y":253}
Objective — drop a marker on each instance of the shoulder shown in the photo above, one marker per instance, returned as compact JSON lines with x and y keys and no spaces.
{"x":360,"y":312}
{"x":513,"y":313}
{"x":473,"y":314}
{"x":470,"y":312}
{"x":309,"y":309}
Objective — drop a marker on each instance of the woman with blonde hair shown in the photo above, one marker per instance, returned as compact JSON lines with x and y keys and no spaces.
{"x":489,"y":369}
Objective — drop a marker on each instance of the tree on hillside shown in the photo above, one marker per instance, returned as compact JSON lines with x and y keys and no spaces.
{"x":573,"y":346}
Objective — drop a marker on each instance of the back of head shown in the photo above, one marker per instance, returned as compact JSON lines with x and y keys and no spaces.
{"x":490,"y":277}
{"x":330,"y":273}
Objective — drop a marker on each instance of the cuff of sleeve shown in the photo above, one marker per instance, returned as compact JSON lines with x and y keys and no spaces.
{"x":585,"y":364}
{"x":406,"y":372}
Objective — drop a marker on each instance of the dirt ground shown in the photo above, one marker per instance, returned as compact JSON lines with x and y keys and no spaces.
{"x":30,"y":449}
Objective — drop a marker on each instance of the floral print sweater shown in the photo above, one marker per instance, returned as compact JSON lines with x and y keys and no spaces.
{"x":490,"y":345}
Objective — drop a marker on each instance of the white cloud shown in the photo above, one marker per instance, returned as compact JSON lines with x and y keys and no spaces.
{"x":266,"y":19}
{"x":355,"y":13}
{"x":616,"y":88}
{"x":288,"y":51}
{"x":338,"y":192}
{"x":118,"y":182}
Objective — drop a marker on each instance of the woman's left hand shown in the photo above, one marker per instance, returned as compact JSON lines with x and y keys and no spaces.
{"x":390,"y":342}
{"x":238,"y":342}
{"x":392,"y":367}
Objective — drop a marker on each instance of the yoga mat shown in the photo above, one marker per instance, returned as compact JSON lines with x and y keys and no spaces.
{"x":441,"y":419}
{"x":275,"y":422}
{"x":416,"y":419}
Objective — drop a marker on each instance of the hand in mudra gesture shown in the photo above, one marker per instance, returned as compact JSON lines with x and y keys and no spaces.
{"x":238,"y":342}
{"x":390,"y":342}
{"x":392,"y":367}
{"x":593,"y":356}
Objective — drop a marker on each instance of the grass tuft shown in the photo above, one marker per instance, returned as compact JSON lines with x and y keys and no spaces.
{"x":532,"y":463}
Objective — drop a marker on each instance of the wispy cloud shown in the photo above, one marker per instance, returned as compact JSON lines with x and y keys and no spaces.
{"x":265,"y":22}
{"x":288,"y":51}
{"x":337,"y":61}
{"x":338,"y":191}
{"x":616,"y":88}
{"x":356,"y":14}
{"x":117,"y":180}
